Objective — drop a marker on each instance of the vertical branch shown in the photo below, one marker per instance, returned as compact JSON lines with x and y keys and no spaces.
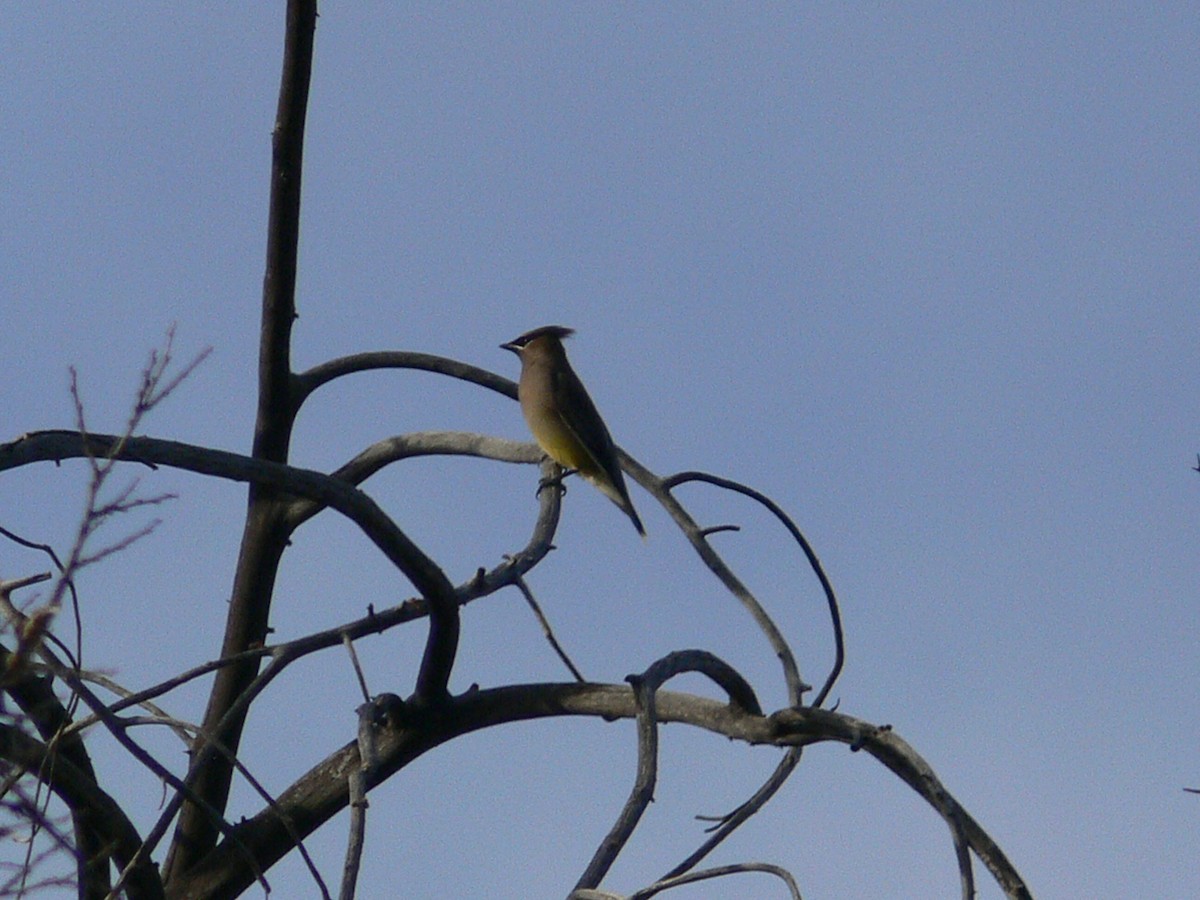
{"x":265,"y":534}
{"x":642,"y":793}
{"x":370,"y":716}
{"x":645,"y":686}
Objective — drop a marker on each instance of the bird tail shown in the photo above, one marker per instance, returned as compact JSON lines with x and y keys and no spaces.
{"x":620,"y":497}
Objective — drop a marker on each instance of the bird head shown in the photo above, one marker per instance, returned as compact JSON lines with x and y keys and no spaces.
{"x":555,"y":332}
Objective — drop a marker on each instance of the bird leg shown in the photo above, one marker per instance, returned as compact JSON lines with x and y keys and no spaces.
{"x":555,"y":481}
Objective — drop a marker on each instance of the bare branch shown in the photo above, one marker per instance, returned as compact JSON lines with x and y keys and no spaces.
{"x":719,"y":872}
{"x":348,"y":643}
{"x":895,"y":753}
{"x":660,"y":488}
{"x":304,"y":384}
{"x":7,"y":587}
{"x":372,"y":715}
{"x":151,"y":840}
{"x":49,"y":551}
{"x":346,"y":499}
{"x":482,"y":584}
{"x":263,"y":539}
{"x":645,"y":687}
{"x":322,"y":792}
{"x":408,"y":446}
{"x":777,"y":511}
{"x":119,"y":545}
{"x":731,"y":821}
{"x":640,"y":795}
{"x":70,"y":676}
{"x":547,"y":630}
{"x":142,"y":697}
{"x":154,"y":391}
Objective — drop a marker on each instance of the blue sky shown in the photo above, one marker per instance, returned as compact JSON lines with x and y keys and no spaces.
{"x":924,"y":273}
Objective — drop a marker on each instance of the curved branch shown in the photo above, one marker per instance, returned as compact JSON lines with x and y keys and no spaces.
{"x":719,"y":872}
{"x":481,"y":584}
{"x":898,"y":755}
{"x":777,"y":511}
{"x":406,"y":446}
{"x":645,"y":686}
{"x":424,"y":574}
{"x":442,"y":602}
{"x":307,"y":382}
{"x":698,"y":538}
{"x":387,"y":451}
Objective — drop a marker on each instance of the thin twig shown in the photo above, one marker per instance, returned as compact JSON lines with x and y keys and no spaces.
{"x":77,"y":655}
{"x":546,"y":629}
{"x":115,"y":727}
{"x":179,"y":725}
{"x":731,"y":821}
{"x":348,"y":643}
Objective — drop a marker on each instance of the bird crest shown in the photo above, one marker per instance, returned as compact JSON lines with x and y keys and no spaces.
{"x":557,"y":331}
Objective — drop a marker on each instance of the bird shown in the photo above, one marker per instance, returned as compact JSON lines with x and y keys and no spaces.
{"x":562,"y":417}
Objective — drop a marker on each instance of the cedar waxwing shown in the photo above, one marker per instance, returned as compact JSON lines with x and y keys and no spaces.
{"x":563,"y":418}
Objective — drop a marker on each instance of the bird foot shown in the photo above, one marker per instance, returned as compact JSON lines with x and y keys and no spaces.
{"x":555,"y":481}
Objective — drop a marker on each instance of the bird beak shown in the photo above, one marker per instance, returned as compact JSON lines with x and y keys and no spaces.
{"x":511,"y":346}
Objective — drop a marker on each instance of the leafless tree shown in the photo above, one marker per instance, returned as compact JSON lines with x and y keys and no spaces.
{"x":50,"y":699}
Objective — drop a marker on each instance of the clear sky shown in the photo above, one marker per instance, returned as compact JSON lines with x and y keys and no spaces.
{"x":924,"y":273}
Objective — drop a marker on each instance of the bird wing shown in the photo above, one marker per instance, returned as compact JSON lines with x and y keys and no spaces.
{"x":580,"y":416}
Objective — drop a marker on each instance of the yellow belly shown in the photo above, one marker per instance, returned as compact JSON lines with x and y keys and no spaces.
{"x":558,"y":441}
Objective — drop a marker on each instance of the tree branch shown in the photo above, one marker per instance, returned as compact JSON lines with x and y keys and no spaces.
{"x":698,"y":538}
{"x":322,"y":792}
{"x":348,"y":500}
{"x":307,"y":382}
{"x":774,"y":508}
{"x":645,"y":687}
{"x":79,"y":791}
{"x":36,"y":699}
{"x":406,"y":446}
{"x":263,"y":537}
{"x":719,"y":872}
